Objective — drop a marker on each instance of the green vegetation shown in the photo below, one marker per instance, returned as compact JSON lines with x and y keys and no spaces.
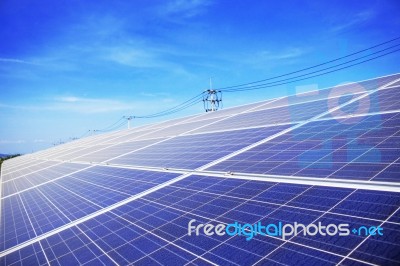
{"x":7,"y":157}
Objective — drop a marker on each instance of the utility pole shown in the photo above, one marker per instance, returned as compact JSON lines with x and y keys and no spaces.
{"x":129,"y":118}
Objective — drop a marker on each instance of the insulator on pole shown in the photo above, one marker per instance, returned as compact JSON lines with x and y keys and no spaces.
{"x":212,"y":100}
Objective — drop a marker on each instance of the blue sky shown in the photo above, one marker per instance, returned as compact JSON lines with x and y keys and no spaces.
{"x":70,"y":66}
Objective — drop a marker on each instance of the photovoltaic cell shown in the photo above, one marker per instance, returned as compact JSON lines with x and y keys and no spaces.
{"x":144,"y":230}
{"x":52,"y":205}
{"x":39,"y":177}
{"x":112,"y":151}
{"x":35,"y":166}
{"x":381,"y":101}
{"x":284,"y":114}
{"x":15,"y":227}
{"x":30,"y":255}
{"x":194,"y":151}
{"x":351,"y":148}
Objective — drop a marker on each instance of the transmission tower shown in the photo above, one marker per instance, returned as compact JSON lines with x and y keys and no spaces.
{"x":212,"y":99}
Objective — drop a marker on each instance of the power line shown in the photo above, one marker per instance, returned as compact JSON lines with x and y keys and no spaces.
{"x":194,"y":100}
{"x":245,"y":86}
{"x":279,"y":82}
{"x":112,"y":125}
{"x":314,"y":66}
{"x":328,"y":72}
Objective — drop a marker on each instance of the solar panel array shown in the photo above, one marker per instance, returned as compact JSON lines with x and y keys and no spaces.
{"x":126,"y":197}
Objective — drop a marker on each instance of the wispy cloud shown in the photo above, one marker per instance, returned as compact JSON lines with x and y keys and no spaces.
{"x":184,"y":8}
{"x":142,"y":56}
{"x":89,"y":105}
{"x":357,"y":19}
{"x":133,"y":57}
{"x":81,"y":105}
{"x":75,"y":104}
{"x":269,"y":58}
{"x":285,"y":54}
{"x":17,"y":61}
{"x":12,"y":141}
{"x":158,"y":94}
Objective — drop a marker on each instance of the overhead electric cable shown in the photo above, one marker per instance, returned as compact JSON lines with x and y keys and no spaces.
{"x":358,"y":63}
{"x":314,"y":66}
{"x":255,"y":85}
{"x":279,"y":82}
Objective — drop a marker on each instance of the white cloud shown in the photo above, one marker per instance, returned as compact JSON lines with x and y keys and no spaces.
{"x":17,"y":61}
{"x":184,"y":8}
{"x":96,"y":105}
{"x":76,"y":104}
{"x":286,"y":54}
{"x":158,"y":94}
{"x":142,"y":56}
{"x":357,"y":19}
{"x":133,"y":57}
{"x":12,"y":141}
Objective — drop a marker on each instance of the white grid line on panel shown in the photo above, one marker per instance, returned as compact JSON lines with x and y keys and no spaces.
{"x":46,"y":182}
{"x":186,"y":212}
{"x":169,"y":138}
{"x":246,"y":201}
{"x":105,"y":253}
{"x":90,"y":166}
{"x":134,"y":138}
{"x":292,"y":179}
{"x":92,"y":215}
{"x":346,"y":257}
{"x":359,"y":156}
{"x":319,"y":217}
{"x":365,"y":239}
{"x":94,"y":243}
{"x":278,"y":204}
{"x":26,"y":166}
{"x":215,"y":219}
{"x":22,"y":175}
{"x":297,"y":122}
{"x":204,"y":204}
{"x":167,"y":241}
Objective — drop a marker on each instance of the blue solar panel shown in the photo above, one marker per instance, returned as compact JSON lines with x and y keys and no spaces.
{"x":145,"y":229}
{"x":48,"y":206}
{"x":127,"y":197}
{"x":379,"y":101}
{"x":284,"y":114}
{"x":28,"y":180}
{"x":19,"y":229}
{"x":101,"y":153}
{"x":30,"y":255}
{"x":352,"y":148}
{"x":193,"y":151}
